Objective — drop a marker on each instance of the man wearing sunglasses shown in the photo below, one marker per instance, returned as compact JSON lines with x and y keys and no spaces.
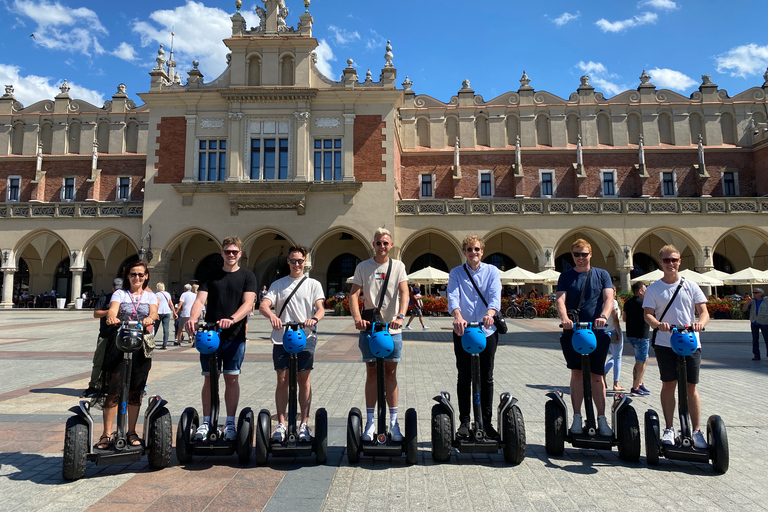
{"x":229,"y":292}
{"x":369,"y":278}
{"x":690,"y":300}
{"x":758,"y":320}
{"x":307,"y":306}
{"x":597,"y":289}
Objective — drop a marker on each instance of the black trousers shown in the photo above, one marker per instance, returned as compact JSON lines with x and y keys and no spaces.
{"x":756,"y":329}
{"x":464,"y":381}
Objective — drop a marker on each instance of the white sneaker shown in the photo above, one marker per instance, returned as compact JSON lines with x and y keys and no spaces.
{"x":426,"y":327}
{"x":395,"y":431}
{"x":699,"y":441}
{"x":603,"y":428}
{"x":370,"y":430}
{"x":279,"y":434}
{"x":668,"y":437}
{"x":202,"y":432}
{"x":230,"y":432}
{"x":578,"y":424}
{"x":304,"y":433}
{"x":408,"y":327}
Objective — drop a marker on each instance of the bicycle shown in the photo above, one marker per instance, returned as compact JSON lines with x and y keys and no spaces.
{"x":522,"y":310}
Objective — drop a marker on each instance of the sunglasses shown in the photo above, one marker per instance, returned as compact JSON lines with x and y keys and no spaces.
{"x":475,"y":249}
{"x":670,"y":260}
{"x":382,"y":244}
{"x":294,"y":261}
{"x":231,"y":252}
{"x":133,"y":274}
{"x":580,"y":254}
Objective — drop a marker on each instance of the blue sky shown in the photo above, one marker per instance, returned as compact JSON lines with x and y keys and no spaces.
{"x":438,"y":44}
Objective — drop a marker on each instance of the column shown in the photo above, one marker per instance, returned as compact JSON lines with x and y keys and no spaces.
{"x":302,"y":146}
{"x":77,"y":285}
{"x":234,"y":144}
{"x":7,"y":288}
{"x":349,"y":144}
{"x":191,"y":147}
{"x":624,"y":279}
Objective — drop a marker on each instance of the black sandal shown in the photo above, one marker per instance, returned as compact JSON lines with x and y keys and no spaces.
{"x":134,"y":439}
{"x":104,"y":442}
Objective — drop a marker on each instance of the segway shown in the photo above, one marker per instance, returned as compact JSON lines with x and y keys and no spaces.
{"x":509,"y":420}
{"x":683,"y":342}
{"x":294,"y":341}
{"x":626,"y":428}
{"x":207,"y":343}
{"x":381,"y":345}
{"x":158,"y":426}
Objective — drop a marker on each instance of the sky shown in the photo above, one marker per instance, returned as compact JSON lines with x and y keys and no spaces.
{"x":437,"y":44}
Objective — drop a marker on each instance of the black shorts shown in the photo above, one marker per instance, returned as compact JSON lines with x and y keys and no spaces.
{"x":282,"y":359}
{"x":667,"y":361}
{"x":596,"y":358}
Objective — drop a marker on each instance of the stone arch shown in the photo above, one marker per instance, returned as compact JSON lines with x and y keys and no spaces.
{"x":513,"y":129}
{"x":422,"y":131}
{"x":451,"y":130}
{"x":751,"y":251}
{"x":502,"y":240}
{"x":335,"y":242}
{"x":253,"y":68}
{"x":38,"y":248}
{"x":655,"y":238}
{"x":181,"y":255}
{"x":265,"y":253}
{"x":106,"y":252}
{"x":543,"y":137}
{"x":606,"y":251}
{"x":431,"y":240}
{"x":604,"y":129}
{"x":482,"y":132}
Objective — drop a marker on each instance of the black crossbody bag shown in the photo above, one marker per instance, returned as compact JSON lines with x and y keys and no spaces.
{"x":573,"y":314}
{"x":374,"y":315}
{"x":653,"y":336}
{"x":498,"y":320}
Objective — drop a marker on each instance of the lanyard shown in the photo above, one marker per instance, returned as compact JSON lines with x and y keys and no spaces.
{"x":135,"y":304}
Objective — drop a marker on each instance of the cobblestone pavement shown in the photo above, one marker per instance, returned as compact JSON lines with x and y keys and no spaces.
{"x":45,"y":363}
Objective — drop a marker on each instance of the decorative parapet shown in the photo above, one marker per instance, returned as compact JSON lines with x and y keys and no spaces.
{"x":72,"y":210}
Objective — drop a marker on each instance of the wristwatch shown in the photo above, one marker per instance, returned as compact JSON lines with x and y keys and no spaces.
{"x":233,"y":319}
{"x":603,"y":317}
{"x":400,"y":317}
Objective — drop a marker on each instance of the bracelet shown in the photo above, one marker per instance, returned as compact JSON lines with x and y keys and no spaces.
{"x":315,"y":319}
{"x":233,"y":319}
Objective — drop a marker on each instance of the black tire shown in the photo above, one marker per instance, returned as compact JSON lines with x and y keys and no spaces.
{"x":75,"y":448}
{"x":441,"y":434}
{"x":185,"y":432}
{"x":411,"y":441}
{"x":354,"y":434}
{"x":628,"y":435}
{"x":718,"y":443}
{"x":554,"y":428}
{"x":514,"y":436}
{"x":263,"y":431}
{"x":245,"y":436}
{"x":510,"y":312}
{"x":530,"y":312}
{"x":652,"y":440}
{"x":160,"y":439}
{"x":321,"y":436}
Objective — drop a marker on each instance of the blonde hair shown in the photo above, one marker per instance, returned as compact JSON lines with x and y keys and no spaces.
{"x":380,"y":232}
{"x":194,"y":288}
{"x":668,"y":248}
{"x":581,"y":243}
{"x":160,"y":287}
{"x":471,"y":239}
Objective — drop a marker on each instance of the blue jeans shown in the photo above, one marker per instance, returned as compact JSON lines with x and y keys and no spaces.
{"x":164,"y":319}
{"x":756,"y":328}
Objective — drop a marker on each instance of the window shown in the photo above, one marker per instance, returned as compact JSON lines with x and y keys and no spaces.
{"x":68,"y":189}
{"x":269,"y":159}
{"x":547,"y":182}
{"x":609,"y":182}
{"x":427,"y":185}
{"x":13,"y":189}
{"x":212,"y":160}
{"x":327,"y":159}
{"x":730,"y":183}
{"x":485,"y":183}
{"x":668,"y":184}
{"x":124,"y":188}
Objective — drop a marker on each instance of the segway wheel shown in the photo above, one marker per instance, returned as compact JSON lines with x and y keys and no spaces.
{"x":718,"y":443}
{"x":652,"y":443}
{"x":554,"y":428}
{"x":185,"y":432}
{"x":75,"y":448}
{"x":321,"y":436}
{"x":245,"y":436}
{"x":530,"y":312}
{"x":514,"y":436}
{"x":160,"y":439}
{"x":354,"y":435}
{"x":263,"y":429}
{"x":441,"y":434}
{"x":411,"y":441}
{"x":628,"y":435}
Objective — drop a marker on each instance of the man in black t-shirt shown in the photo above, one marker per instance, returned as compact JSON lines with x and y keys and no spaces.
{"x":230,"y":292}
{"x":105,"y":331}
{"x":637,"y":335}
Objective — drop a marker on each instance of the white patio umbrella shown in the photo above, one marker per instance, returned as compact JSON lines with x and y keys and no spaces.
{"x":648,"y":278}
{"x":549,"y":275}
{"x":520,"y":275}
{"x":749,"y":275}
{"x":429,"y":275}
{"x":717,"y":274}
{"x":700,"y":279}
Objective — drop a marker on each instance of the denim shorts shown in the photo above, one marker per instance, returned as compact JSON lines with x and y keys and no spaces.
{"x":367,"y":355}
{"x":282,"y":358}
{"x":641,"y":348}
{"x":231,"y":354}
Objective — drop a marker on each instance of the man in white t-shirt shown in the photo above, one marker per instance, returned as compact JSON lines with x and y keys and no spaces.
{"x":183,"y":310}
{"x":307,"y":305}
{"x":369,"y":278}
{"x":690,"y":301}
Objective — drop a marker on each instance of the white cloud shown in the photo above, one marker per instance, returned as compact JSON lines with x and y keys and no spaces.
{"x":125,"y":51}
{"x":324,"y":59}
{"x":32,"y":88}
{"x":600,"y":78}
{"x":343,"y":37}
{"x":634,"y":21}
{"x":61,"y":27}
{"x":743,"y":61}
{"x":199,"y":31}
{"x":662,"y":5}
{"x":565,"y":18}
{"x":376,"y":42}
{"x":671,"y":79}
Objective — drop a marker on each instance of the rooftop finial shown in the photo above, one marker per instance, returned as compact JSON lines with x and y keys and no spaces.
{"x":645,"y":78}
{"x":306,"y":5}
{"x":388,"y":56}
{"x":238,"y":4}
{"x":64,"y":87}
{"x":524,"y":80}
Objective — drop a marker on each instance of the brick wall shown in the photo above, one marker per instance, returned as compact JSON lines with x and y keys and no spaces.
{"x":368,"y":149}
{"x":171,"y":154}
{"x":760,"y":175}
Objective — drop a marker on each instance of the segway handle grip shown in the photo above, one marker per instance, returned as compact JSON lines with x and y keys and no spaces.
{"x":473,"y":324}
{"x":684,"y":327}
{"x":129,"y":323}
{"x":208,"y":326}
{"x":580,"y":325}
{"x":293,"y":325}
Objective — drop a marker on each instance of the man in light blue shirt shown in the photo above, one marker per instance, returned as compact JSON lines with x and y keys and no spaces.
{"x":465,"y":305}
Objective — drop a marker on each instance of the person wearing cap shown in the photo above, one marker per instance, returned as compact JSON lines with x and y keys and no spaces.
{"x":100,"y":311}
{"x":758,"y":320}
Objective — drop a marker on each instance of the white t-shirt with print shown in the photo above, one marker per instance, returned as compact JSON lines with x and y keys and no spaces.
{"x":133,"y":307}
{"x":370,"y":275}
{"x":301,"y":306}
{"x":681,"y":312}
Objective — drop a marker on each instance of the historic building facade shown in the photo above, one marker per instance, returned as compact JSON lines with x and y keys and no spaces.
{"x":278,"y":154}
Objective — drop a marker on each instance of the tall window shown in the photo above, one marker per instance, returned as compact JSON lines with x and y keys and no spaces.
{"x":730,"y":184}
{"x":547,"y":183}
{"x":212,"y":160}
{"x":68,"y":189}
{"x":124,"y":188}
{"x":13,"y":189}
{"x":427,"y":182}
{"x":327,"y":159}
{"x":485,"y":183}
{"x":609,"y":183}
{"x":269,"y":158}
{"x":668,"y":184}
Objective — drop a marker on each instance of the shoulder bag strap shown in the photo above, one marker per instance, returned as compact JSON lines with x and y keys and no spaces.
{"x":584,"y":290}
{"x":290,"y":296}
{"x":384,"y":286}
{"x":475,"y":285}
{"x":682,"y":279}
